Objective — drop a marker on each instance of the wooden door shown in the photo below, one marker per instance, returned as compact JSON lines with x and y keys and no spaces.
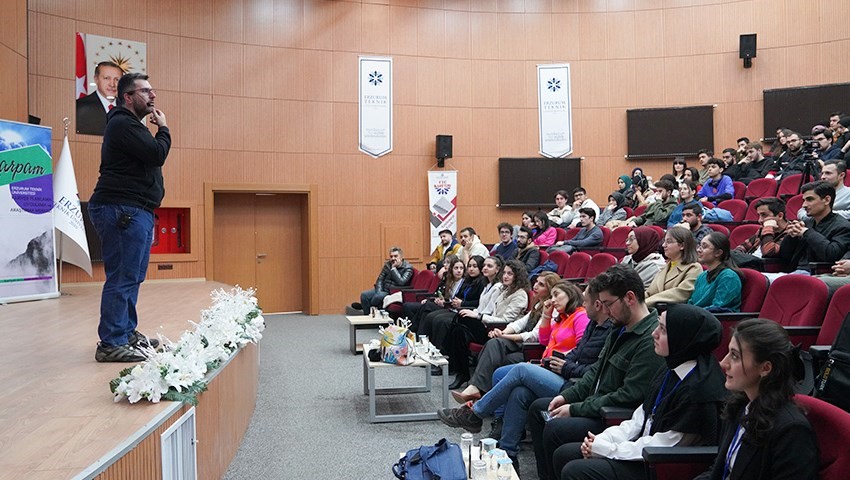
{"x":258,"y":243}
{"x":280,"y":252}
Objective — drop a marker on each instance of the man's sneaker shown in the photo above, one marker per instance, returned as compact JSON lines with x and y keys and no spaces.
{"x":121,"y":353}
{"x":357,"y":306}
{"x":462,"y":416}
{"x":138,"y":339}
{"x":495,"y":428}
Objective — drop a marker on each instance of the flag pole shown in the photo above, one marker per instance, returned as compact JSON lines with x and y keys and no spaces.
{"x":67,"y":122}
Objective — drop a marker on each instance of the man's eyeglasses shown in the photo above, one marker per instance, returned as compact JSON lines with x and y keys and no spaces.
{"x":608,"y":303}
{"x":146,"y":91}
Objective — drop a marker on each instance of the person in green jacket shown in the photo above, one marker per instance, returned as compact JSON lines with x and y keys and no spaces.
{"x":620,"y":378}
{"x":658,"y":212}
{"x":718,"y":288}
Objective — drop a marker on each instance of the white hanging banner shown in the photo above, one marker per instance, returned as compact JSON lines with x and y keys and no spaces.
{"x":442,"y":201}
{"x":376,"y":105}
{"x":555,"y":110}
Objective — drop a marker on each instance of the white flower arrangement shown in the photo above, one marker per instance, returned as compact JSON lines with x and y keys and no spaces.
{"x":176,"y":371}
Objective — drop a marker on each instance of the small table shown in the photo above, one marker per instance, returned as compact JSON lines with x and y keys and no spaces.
{"x":361,"y":322}
{"x":370,"y":389}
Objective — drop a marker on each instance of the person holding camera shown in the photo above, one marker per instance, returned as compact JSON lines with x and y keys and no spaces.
{"x":798,"y":159}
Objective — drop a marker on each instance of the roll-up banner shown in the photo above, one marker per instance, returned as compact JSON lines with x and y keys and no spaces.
{"x":27,"y":255}
{"x":442,"y":201}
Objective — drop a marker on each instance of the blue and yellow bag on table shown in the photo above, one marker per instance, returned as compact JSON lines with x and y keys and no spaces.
{"x":397,"y":343}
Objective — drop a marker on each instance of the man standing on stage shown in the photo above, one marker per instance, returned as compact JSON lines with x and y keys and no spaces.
{"x":121,"y":208}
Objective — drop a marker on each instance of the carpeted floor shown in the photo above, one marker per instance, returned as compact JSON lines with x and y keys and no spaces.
{"x":310,"y":421}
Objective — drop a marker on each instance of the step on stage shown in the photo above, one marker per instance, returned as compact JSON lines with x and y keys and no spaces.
{"x":57,"y":415}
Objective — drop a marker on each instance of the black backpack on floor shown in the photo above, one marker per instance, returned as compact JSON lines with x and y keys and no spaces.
{"x":833,"y":383}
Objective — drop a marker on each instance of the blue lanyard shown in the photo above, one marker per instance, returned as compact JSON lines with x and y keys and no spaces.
{"x":733,"y":449}
{"x":659,"y":398}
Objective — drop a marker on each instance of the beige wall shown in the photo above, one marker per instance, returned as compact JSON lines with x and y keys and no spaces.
{"x":13,"y":61}
{"x":264,"y":91}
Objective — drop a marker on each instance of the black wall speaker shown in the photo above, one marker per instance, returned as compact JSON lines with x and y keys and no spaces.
{"x":444,"y":147}
{"x":747,"y":48}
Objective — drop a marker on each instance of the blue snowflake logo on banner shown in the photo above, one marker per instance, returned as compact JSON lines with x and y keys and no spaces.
{"x":376,"y":78}
{"x":443,"y":190}
{"x":554,"y":85}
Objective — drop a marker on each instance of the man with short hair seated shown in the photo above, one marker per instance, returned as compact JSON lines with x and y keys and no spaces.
{"x":396,"y":273}
{"x":589,"y":236}
{"x":766,"y":241}
{"x":581,"y":200}
{"x":506,"y":248}
{"x":527,"y":252}
{"x":754,"y":165}
{"x":448,"y":246}
{"x":833,"y":172}
{"x":692,"y":220}
{"x":658,"y":212}
{"x":824,"y":237}
{"x":717,"y":187}
{"x":471,"y":245}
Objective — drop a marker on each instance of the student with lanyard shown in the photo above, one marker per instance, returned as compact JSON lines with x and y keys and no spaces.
{"x":681,"y":407}
{"x":765,"y":436}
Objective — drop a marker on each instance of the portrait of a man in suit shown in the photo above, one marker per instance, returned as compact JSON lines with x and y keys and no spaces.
{"x":92,"y":109}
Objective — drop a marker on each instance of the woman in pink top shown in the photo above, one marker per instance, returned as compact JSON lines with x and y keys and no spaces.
{"x":564,"y":320}
{"x":545,"y":235}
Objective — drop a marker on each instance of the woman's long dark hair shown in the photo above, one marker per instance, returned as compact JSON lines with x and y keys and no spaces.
{"x":500,"y":266}
{"x":543,"y":219}
{"x":766,"y":341}
{"x":576,"y":298}
{"x":721,"y":242}
{"x":520,"y":277}
{"x":449,"y":281}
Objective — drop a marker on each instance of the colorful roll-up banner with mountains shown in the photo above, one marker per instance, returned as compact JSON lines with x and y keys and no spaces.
{"x":27,"y":254}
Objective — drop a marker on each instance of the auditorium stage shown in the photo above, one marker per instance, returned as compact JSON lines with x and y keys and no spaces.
{"x":57,"y":415}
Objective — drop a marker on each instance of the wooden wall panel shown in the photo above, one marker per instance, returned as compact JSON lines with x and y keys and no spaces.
{"x":265,"y":91}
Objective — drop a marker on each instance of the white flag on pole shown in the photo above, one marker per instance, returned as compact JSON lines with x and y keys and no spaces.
{"x":68,"y":215}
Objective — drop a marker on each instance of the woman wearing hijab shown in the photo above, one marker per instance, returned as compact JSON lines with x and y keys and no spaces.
{"x":624,"y":186}
{"x":614,"y":211}
{"x":681,"y":408}
{"x":642,"y":245}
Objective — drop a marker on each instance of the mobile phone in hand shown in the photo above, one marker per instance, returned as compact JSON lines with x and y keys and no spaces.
{"x":546,"y":415}
{"x":558,"y":354}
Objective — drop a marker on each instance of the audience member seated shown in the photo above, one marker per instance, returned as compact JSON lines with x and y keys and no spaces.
{"x":679,"y":167}
{"x":764,"y":435}
{"x":504,"y":303}
{"x":448,"y":246}
{"x":692,"y":174}
{"x":589,"y":236}
{"x":681,"y":407}
{"x":675,"y":283}
{"x":581,"y":200}
{"x":839,"y":276}
{"x":780,"y":146}
{"x":794,"y":160}
{"x":620,"y":378}
{"x":625,"y":188}
{"x":826,"y":150}
{"x":718,"y":288}
{"x":505,"y":345}
{"x":523,"y":383}
{"x":614,"y":212}
{"x":687,"y":194}
{"x":506,"y":248}
{"x":824,"y":237}
{"x":450,"y":285}
{"x":527,"y":251}
{"x":692,"y":221}
{"x":544,"y":234}
{"x":833,"y":173}
{"x":766,"y":241}
{"x":436,"y":324}
{"x":471,"y":245}
{"x":703,"y":155}
{"x":717,"y":187}
{"x":396,"y":273}
{"x":658,"y":212}
{"x":642,"y":189}
{"x":742,"y":147}
{"x":729,"y":157}
{"x":562,"y":214}
{"x":838,"y":131}
{"x":526,"y":221}
{"x":843,"y":140}
{"x":754,"y":165}
{"x":642,"y":249}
